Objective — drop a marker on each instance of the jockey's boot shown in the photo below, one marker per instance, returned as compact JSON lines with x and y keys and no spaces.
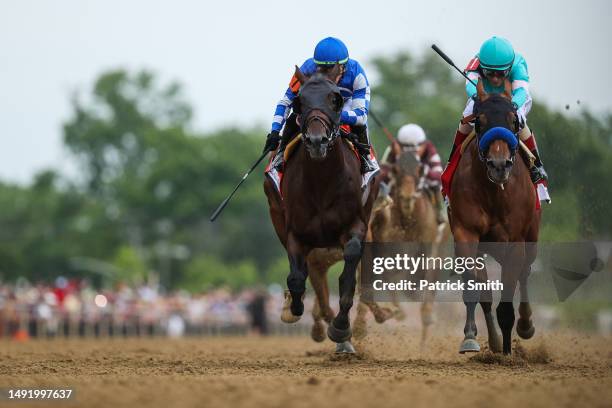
{"x":290,"y":130}
{"x":362,"y":143}
{"x":536,"y":172}
{"x":439,"y":205}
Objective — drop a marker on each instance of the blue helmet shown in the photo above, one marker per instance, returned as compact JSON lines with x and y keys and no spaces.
{"x":330,"y":50}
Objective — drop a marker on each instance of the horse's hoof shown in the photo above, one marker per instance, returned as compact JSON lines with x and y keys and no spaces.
{"x":287,"y":314}
{"x":399,"y":315}
{"x":382,"y":314}
{"x":288,"y":317}
{"x":338,"y":335}
{"x":360,"y":329}
{"x":469,"y":346}
{"x":317,"y":333}
{"x":345,"y":348}
{"x":495,"y":344}
{"x":525,"y":330}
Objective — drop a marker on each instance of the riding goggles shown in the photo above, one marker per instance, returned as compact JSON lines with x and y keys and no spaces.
{"x":495,"y":72}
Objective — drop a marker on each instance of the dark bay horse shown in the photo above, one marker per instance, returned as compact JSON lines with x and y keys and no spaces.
{"x":492,"y":200}
{"x":323,"y":205}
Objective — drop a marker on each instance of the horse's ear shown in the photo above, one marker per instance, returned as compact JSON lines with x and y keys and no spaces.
{"x":480,"y":91}
{"x":507,"y":89}
{"x":300,"y":75}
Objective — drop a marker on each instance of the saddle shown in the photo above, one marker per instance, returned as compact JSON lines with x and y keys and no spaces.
{"x":277,"y":176}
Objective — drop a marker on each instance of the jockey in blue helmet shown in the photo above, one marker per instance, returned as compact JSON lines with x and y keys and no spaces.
{"x":355,"y":90}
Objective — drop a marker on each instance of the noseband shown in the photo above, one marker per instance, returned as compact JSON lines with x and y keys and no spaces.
{"x":331,"y":131}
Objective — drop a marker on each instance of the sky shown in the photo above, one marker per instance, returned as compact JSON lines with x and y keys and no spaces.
{"x":234,"y":58}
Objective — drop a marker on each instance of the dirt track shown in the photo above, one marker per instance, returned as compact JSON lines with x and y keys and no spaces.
{"x":295,"y":372}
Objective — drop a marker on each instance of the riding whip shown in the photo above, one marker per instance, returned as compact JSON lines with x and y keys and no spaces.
{"x":229,"y":197}
{"x":450,"y":62}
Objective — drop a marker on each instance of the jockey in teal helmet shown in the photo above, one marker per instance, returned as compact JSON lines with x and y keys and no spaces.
{"x":496,"y":62}
{"x":355,"y":90}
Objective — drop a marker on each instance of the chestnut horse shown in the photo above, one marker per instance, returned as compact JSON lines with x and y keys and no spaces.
{"x":409,"y":218}
{"x":322,"y":204}
{"x":492,"y":200}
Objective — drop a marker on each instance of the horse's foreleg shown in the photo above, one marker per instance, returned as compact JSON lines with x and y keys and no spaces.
{"x":276,"y":212}
{"x":321,"y":310}
{"x":466,"y":246}
{"x":317,"y":333}
{"x":298,"y":272}
{"x":340,"y":328}
{"x":511,"y":266}
{"x":524,"y":326}
{"x":486,"y":301}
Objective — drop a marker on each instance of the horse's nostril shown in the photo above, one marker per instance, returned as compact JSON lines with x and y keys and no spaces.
{"x":509,"y":163}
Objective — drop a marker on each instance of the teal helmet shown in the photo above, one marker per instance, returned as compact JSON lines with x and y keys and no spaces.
{"x":496,"y":54}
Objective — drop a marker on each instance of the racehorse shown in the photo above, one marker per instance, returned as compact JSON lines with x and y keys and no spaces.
{"x":323,"y":205}
{"x":410,"y":217}
{"x":492,"y":200}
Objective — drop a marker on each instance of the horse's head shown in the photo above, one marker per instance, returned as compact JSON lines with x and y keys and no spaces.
{"x":318,"y":104}
{"x":496,"y":127}
{"x":408,"y":173}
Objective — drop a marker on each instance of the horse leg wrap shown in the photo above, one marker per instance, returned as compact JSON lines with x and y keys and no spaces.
{"x":296,"y":282}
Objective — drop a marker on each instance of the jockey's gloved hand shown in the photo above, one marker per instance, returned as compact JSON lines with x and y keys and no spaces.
{"x":272,"y":141}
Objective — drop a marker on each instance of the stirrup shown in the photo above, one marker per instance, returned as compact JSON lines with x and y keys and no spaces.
{"x":367,"y":165}
{"x":277,"y":161}
{"x":537,"y":174}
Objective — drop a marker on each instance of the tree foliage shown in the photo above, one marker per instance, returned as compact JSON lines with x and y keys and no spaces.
{"x":148,"y":183}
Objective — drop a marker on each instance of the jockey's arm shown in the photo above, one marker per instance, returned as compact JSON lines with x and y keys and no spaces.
{"x":355,"y":111}
{"x":470,"y":89}
{"x":282,"y":110}
{"x":434,"y":163}
{"x":519,"y":77}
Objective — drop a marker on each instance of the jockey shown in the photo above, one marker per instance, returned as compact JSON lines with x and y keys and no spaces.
{"x":355,"y":90}
{"x":411,"y":137}
{"x":495,"y":62}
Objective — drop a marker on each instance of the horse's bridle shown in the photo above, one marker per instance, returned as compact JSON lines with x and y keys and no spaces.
{"x":332,"y":131}
{"x":479,"y":134}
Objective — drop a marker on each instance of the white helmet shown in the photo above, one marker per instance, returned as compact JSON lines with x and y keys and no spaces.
{"x":411,"y":135}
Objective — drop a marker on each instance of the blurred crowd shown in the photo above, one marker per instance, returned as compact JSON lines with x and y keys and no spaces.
{"x":73,"y":307}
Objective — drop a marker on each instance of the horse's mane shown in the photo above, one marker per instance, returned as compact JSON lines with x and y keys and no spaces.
{"x":498,"y":100}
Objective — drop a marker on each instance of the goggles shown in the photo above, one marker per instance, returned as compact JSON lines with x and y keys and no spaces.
{"x":495,"y":72}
